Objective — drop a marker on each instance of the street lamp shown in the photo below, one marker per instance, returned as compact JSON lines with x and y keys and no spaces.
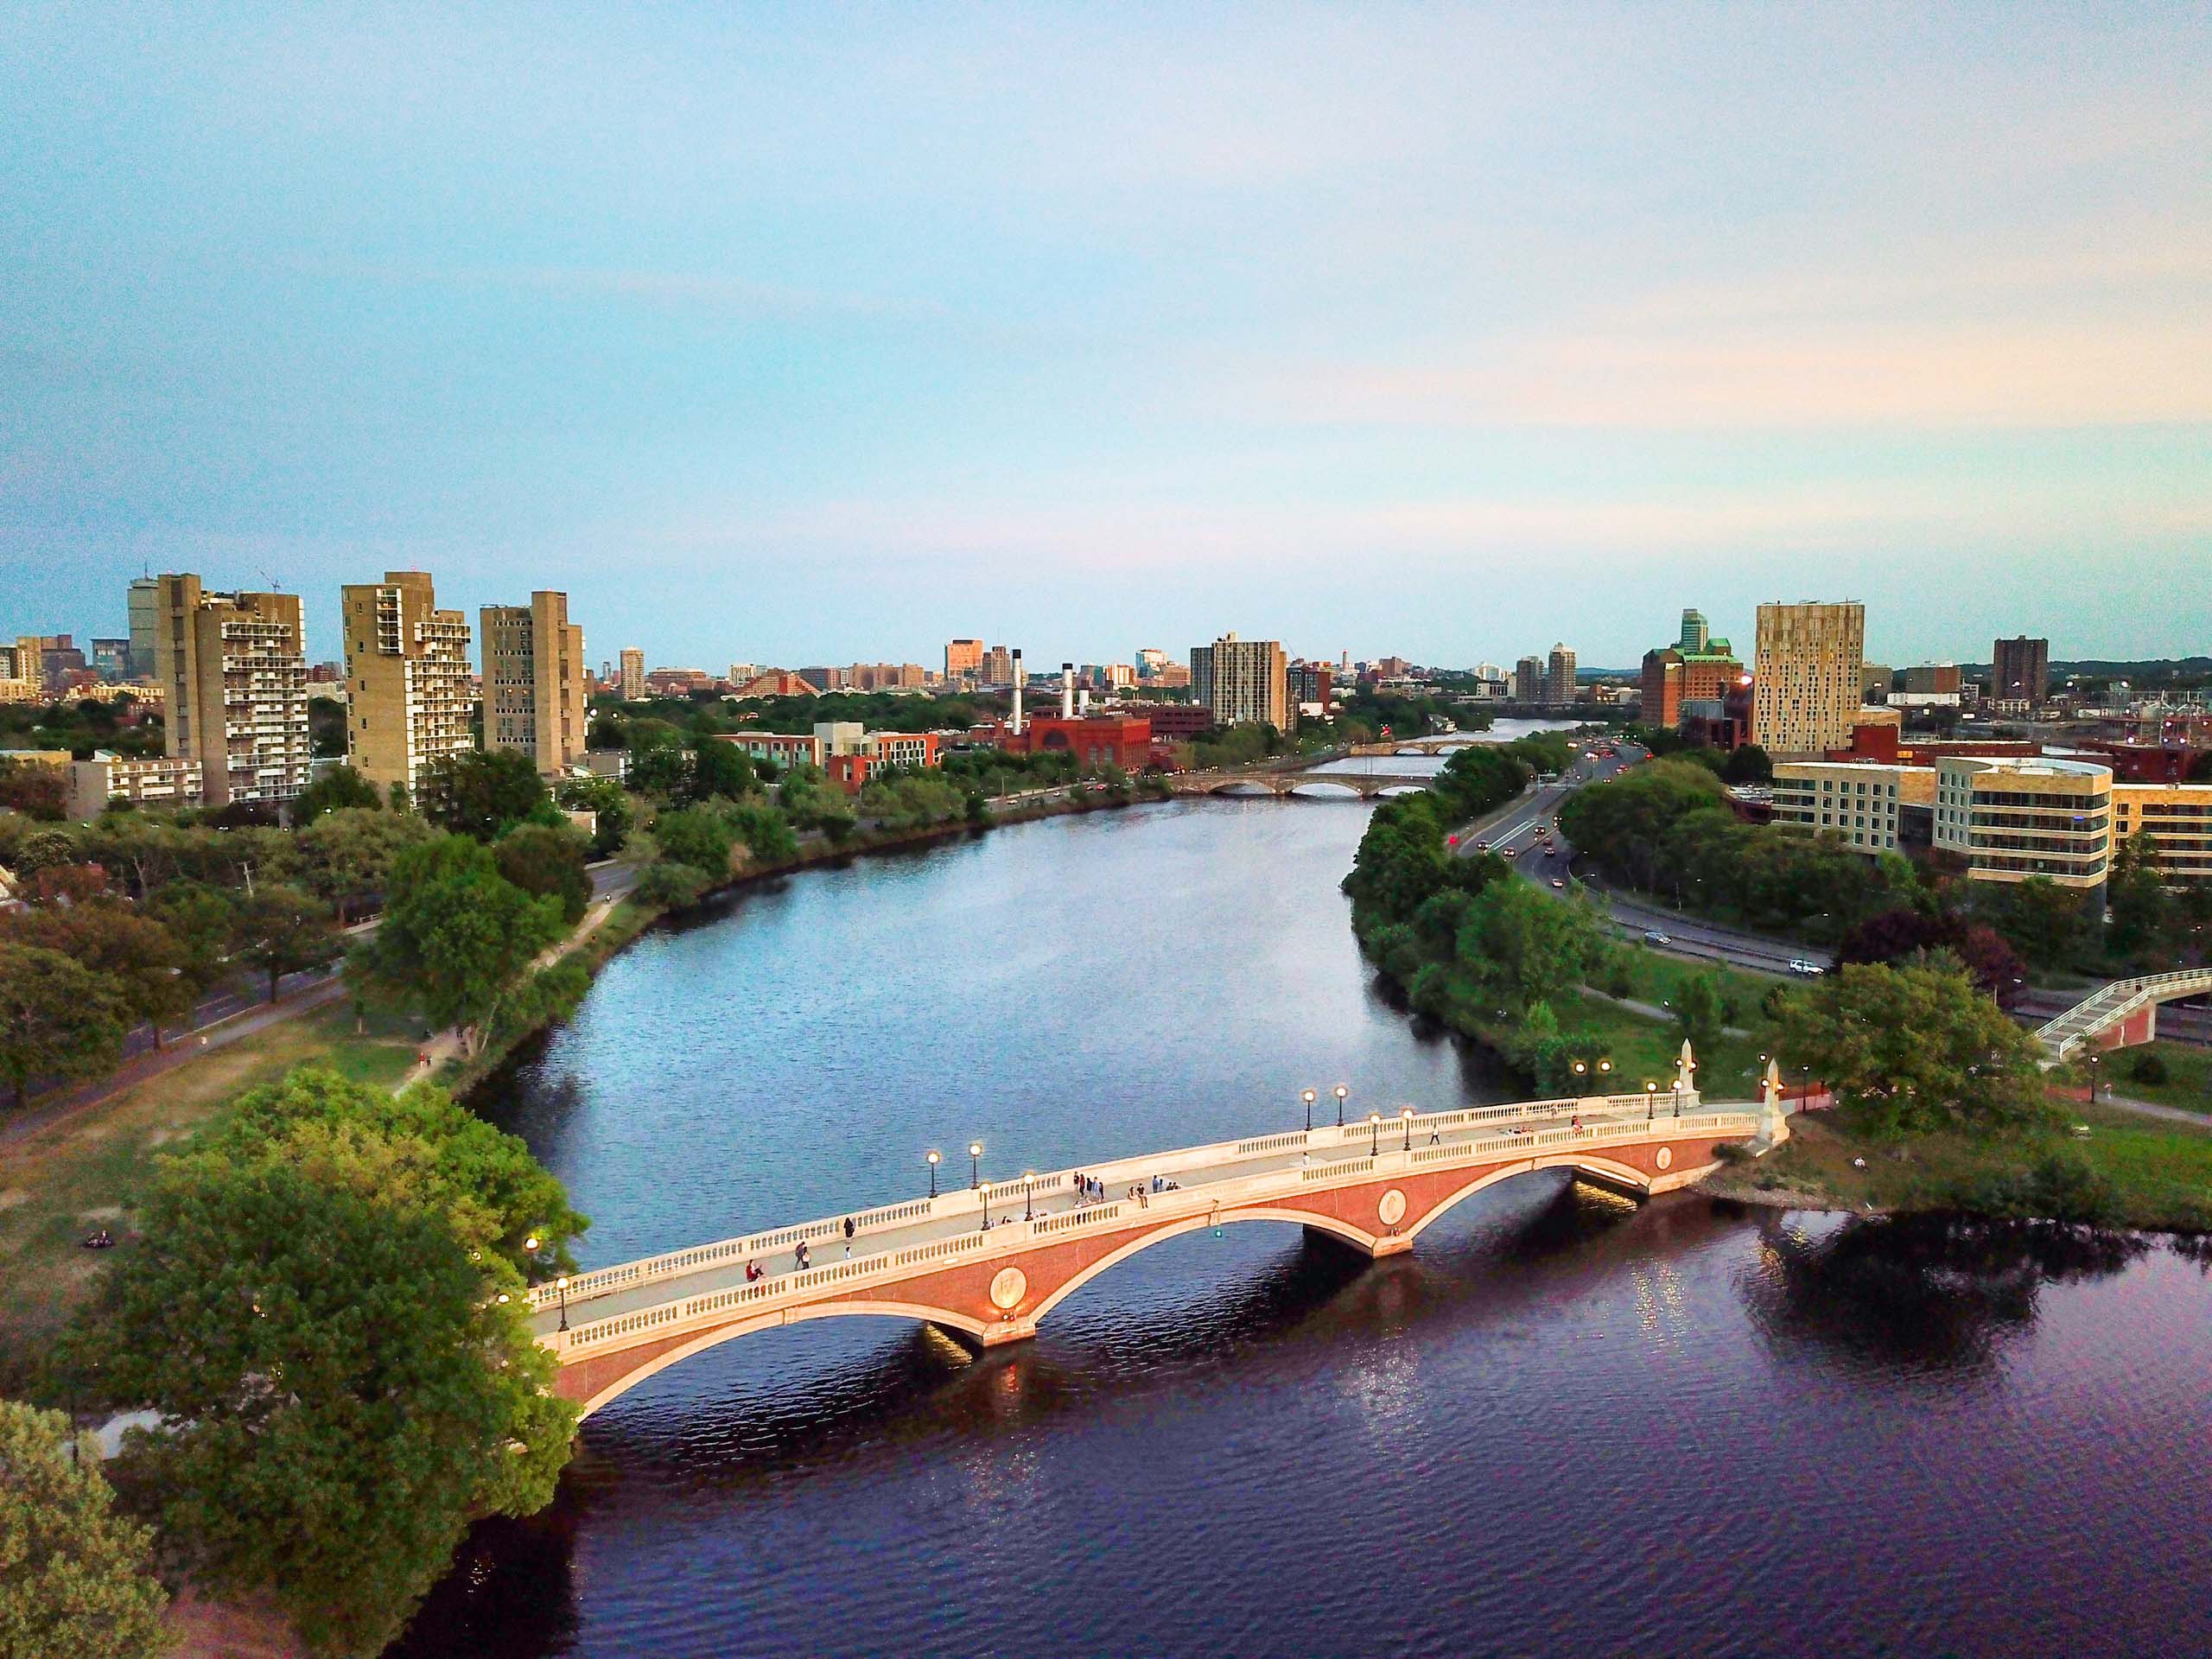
{"x":562,"y":1284}
{"x":1374,"y":1133}
{"x":1028,"y":1211}
{"x":975,"y":1165}
{"x":1341,"y":1092}
{"x":1309,"y":1111}
{"x":1650,"y":1100}
{"x":931,"y":1158}
{"x":1407,"y":1116}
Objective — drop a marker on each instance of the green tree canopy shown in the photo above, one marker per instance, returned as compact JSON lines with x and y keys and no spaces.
{"x":1521,"y":946}
{"x":76,"y":1579}
{"x":1912,"y":1048}
{"x":280,"y":930}
{"x":140,"y":960}
{"x":548,"y":861}
{"x":339,"y":786}
{"x":347,"y":852}
{"x":57,"y":1019}
{"x":478,"y":794}
{"x":696,"y":835}
{"x":457,"y":937}
{"x":605,"y":797}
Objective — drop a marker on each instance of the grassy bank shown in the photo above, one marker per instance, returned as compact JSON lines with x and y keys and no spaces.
{"x":58,"y":1184}
{"x":2187,"y":1081}
{"x":2160,"y":1173}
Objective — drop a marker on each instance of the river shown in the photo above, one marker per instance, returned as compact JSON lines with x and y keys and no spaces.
{"x":1565,"y":1424}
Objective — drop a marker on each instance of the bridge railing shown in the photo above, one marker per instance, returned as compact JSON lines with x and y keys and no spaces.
{"x":996,"y":1195}
{"x":2113,"y":1003}
{"x":790,"y":1289}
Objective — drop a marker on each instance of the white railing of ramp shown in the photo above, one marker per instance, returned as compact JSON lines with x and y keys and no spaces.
{"x":788,"y":1290}
{"x":2107,"y":1006}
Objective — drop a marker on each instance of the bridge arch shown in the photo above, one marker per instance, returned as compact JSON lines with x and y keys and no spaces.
{"x":1603,"y":1170}
{"x":913,"y":1311}
{"x":1355,"y":1237}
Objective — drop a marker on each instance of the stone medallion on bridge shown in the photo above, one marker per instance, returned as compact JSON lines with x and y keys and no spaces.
{"x":1392,"y":1208}
{"x":1008,"y":1286}
{"x":1664,"y":1157}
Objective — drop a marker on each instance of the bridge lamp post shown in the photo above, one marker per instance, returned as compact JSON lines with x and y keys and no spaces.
{"x":1308,"y":1098}
{"x":1341,"y":1092}
{"x":975,"y":1165}
{"x":562,"y":1284}
{"x":931,"y":1158}
{"x":1374,"y":1133}
{"x":1407,"y":1117}
{"x":1650,"y":1100}
{"x":1028,"y":1211}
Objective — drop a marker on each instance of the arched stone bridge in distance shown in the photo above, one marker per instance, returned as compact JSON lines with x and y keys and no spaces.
{"x":1428,"y":746}
{"x":1290,"y":781}
{"x":987,"y":1263}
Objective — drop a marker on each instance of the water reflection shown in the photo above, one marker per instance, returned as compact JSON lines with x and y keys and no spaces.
{"x":1932,"y":1292}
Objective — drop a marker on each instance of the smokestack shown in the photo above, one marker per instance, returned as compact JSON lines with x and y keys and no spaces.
{"x":1067,"y":690}
{"x":1018,"y":677}
{"x":1083,"y":702}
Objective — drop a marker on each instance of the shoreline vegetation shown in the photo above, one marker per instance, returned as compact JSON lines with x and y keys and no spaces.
{"x":1942,"y":1107}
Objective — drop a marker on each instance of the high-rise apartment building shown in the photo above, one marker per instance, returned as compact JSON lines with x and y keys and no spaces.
{"x":1805,"y":690}
{"x":233,"y":667}
{"x":963,"y":660}
{"x":534,"y":696}
{"x":406,"y":679}
{"x":1695,"y":637}
{"x":1675,"y":675}
{"x":1528,"y":680}
{"x":997,"y":666}
{"x":145,"y":602}
{"x":1243,"y":680}
{"x":2020,"y":671}
{"x":1559,"y":677}
{"x":634,"y":674}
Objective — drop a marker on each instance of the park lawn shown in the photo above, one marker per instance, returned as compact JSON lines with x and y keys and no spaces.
{"x":1660,"y":978}
{"x":2188,"y":1075}
{"x":2161,"y":1173}
{"x":1643,"y":1050}
{"x":59,"y":1183}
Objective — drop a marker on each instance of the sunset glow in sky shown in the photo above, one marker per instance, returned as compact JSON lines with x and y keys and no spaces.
{"x":812,"y":333}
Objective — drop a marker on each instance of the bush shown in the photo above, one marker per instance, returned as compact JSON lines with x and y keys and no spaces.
{"x":2059,"y":1187}
{"x":669,"y":884}
{"x":696,"y":835}
{"x":2150,"y":1068}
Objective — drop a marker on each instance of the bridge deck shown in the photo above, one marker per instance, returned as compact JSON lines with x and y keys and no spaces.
{"x":2110,"y":1004}
{"x":892,"y":1229}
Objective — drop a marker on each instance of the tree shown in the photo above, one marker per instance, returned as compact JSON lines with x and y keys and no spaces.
{"x":1522,"y":946}
{"x":549,"y":863}
{"x":666,"y":884}
{"x":697,"y":836}
{"x":76,"y":1579}
{"x":57,"y":1019}
{"x":341,"y":786}
{"x":396,"y":797}
{"x":203,"y":921}
{"x":1748,"y":765}
{"x":138,"y":957}
{"x":1903,"y":934}
{"x":340,"y":1388}
{"x":480,"y":794}
{"x":2041,"y":919}
{"x":765,"y":833}
{"x":2142,"y":911}
{"x":1911,"y":1049}
{"x":605,"y":799}
{"x":1701,"y":1011}
{"x":347,"y":852}
{"x":36,"y":790}
{"x":457,"y":936}
{"x":282,"y":930}
{"x":721,"y":768}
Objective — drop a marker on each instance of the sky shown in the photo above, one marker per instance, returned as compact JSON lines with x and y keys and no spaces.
{"x":821,"y":334}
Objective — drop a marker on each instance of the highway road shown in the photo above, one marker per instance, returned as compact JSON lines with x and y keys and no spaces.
{"x":1519,"y":830}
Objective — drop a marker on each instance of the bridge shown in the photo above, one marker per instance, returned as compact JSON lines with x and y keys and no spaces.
{"x":1288,"y":780}
{"x":2120,"y":1014}
{"x":1415,"y":745}
{"x":989,"y":1263}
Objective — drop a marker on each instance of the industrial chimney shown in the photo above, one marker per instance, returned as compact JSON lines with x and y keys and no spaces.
{"x":1083,"y":702}
{"x":1018,"y":678}
{"x":1067,"y":690}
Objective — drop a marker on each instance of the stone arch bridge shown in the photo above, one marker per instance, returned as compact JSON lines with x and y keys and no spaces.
{"x":1367,"y":785}
{"x":989,"y":1263}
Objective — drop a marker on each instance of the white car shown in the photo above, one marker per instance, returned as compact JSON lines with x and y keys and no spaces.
{"x":1808,"y":969}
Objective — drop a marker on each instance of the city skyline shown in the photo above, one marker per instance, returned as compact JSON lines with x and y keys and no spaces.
{"x":788,"y":335}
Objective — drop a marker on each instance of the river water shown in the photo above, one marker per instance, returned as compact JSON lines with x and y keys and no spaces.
{"x":1565,"y":1424}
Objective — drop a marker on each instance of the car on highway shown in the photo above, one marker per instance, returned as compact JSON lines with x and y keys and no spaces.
{"x":1558,"y":883}
{"x":1807,"y":970}
{"x":1653,"y":935}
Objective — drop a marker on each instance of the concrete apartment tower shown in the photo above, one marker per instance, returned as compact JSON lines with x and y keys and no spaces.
{"x":534,"y":699}
{"x":145,"y":602}
{"x":235,"y":669}
{"x":2020,"y":671}
{"x":1558,"y":678}
{"x":634,"y":674}
{"x":1528,"y":680}
{"x":1243,"y":680}
{"x":407,"y":677}
{"x":1805,"y":693}
{"x":963,"y":660}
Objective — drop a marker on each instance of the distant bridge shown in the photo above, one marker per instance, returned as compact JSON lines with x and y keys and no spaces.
{"x":1291,"y":779}
{"x":990,"y":1261}
{"x":2120,"y":1014}
{"x":1415,"y":745}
